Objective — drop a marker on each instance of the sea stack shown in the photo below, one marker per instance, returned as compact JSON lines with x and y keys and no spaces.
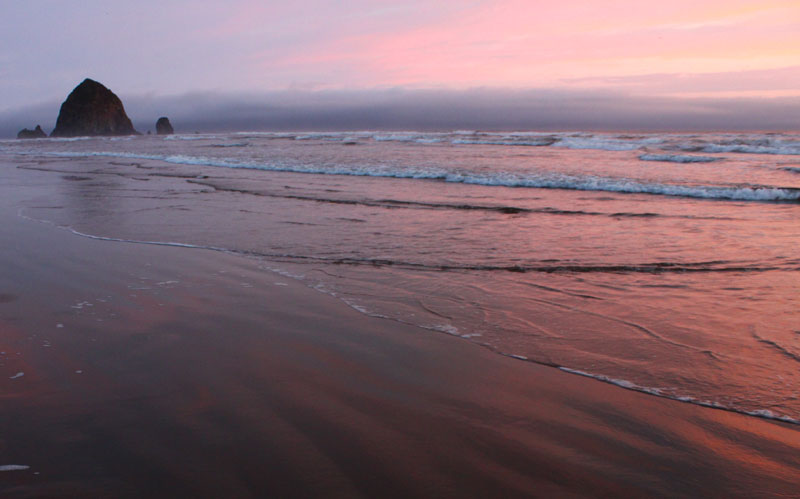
{"x":36,"y":133}
{"x":92,"y":109}
{"x":164,"y":127}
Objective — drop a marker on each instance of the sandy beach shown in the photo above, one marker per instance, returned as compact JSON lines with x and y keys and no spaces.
{"x":133,"y":370}
{"x":413,"y":249}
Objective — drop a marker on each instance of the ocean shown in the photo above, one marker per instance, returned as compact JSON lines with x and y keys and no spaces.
{"x":667,"y":263}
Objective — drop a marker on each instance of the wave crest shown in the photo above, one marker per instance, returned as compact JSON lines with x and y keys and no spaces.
{"x":499,"y":179}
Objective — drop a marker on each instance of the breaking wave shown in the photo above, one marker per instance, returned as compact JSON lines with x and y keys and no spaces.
{"x":536,"y":142}
{"x":741,"y":143}
{"x":678,"y":158}
{"x":500,"y":178}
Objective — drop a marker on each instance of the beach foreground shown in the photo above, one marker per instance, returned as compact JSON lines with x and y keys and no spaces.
{"x":179,"y":372}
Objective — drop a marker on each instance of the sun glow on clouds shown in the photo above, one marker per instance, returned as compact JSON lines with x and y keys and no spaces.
{"x":513,"y":43}
{"x":676,"y":48}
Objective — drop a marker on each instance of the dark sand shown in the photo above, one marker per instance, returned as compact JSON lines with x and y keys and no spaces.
{"x":201,"y":376}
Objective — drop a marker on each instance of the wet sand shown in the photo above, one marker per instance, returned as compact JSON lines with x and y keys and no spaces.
{"x":175,"y":372}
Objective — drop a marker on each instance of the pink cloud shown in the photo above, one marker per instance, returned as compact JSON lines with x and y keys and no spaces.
{"x":254,"y":46}
{"x":525,"y":44}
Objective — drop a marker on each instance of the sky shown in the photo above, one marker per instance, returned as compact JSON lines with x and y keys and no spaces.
{"x":539,"y":64}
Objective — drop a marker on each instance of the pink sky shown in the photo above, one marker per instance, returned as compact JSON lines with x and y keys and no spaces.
{"x":523,"y":44}
{"x":726,"y":48}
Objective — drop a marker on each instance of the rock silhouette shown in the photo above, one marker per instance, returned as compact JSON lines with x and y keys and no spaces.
{"x":92,"y":109}
{"x":164,"y":127}
{"x":36,"y":133}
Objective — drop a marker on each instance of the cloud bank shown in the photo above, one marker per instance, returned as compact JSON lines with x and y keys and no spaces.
{"x":488,"y":109}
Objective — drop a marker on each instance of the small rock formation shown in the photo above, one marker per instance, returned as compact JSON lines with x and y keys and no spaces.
{"x":92,"y":109}
{"x":36,"y":133}
{"x":163,"y":126}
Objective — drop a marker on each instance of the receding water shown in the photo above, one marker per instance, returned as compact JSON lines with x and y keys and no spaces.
{"x":667,"y":263}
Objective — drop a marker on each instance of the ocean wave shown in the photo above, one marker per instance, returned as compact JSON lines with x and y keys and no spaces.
{"x":773,"y":144}
{"x":400,"y":137}
{"x":543,"y":141}
{"x":326,"y":136}
{"x":742,"y":144}
{"x":311,"y":136}
{"x":750,"y":149}
{"x":268,"y":135}
{"x":622,"y":185}
{"x":192,"y":137}
{"x":240,"y":144}
{"x":660,"y":392}
{"x":678,"y":158}
{"x":607,"y":143}
{"x":401,"y":203}
{"x":776,"y":144}
{"x":70,"y":139}
{"x":754,"y":149}
{"x":764,"y":193}
{"x":546,"y":268}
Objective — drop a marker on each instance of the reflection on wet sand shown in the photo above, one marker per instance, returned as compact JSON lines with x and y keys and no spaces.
{"x":180,"y":372}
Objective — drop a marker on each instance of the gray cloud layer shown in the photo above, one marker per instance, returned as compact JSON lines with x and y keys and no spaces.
{"x":436,"y":109}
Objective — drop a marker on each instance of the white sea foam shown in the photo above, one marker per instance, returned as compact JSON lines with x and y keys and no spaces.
{"x":69,"y":139}
{"x":276,"y":135}
{"x":594,"y":183}
{"x":444,"y":328}
{"x":398,"y":137}
{"x":504,"y":179}
{"x":781,"y":149}
{"x":13,"y":467}
{"x":544,"y":141}
{"x":192,"y":137}
{"x":606,"y":143}
{"x":779,"y":144}
{"x":761,"y":413}
{"x":614,"y":381}
{"x":736,"y":143}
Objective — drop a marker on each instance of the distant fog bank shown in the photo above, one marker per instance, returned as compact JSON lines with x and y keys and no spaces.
{"x":488,"y":109}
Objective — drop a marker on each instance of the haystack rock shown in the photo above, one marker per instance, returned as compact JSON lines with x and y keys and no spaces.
{"x":92,"y":109}
{"x":36,"y":133}
{"x":163,"y":126}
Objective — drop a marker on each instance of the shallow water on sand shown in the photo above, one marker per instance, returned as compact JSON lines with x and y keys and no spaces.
{"x":664,"y":263}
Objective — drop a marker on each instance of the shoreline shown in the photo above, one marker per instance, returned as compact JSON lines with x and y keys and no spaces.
{"x":201,"y":375}
{"x":619,"y":383}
